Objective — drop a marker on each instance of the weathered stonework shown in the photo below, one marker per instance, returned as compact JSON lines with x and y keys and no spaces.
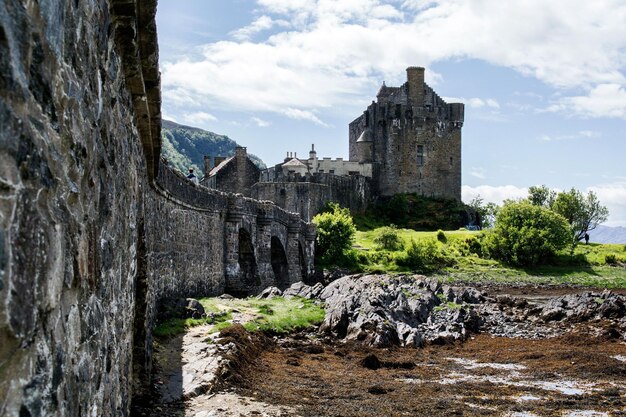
{"x":94,"y":233}
{"x":413,"y":138}
{"x":306,"y":195}
{"x":71,"y":173}
{"x":236,"y":174}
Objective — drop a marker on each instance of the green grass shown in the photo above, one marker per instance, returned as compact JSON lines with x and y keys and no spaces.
{"x":590,"y":265}
{"x":276,"y":315}
{"x":365,"y":239}
{"x":174,"y":326}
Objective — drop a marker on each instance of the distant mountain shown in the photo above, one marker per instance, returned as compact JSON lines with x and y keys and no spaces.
{"x":606,"y":234}
{"x":185,"y":146}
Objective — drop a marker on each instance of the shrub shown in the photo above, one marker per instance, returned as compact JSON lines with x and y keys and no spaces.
{"x":425,"y":255}
{"x":611,"y":259}
{"x":527,"y":235}
{"x":470,"y":245}
{"x":387,"y":238}
{"x":441,"y":236}
{"x":335,"y":231}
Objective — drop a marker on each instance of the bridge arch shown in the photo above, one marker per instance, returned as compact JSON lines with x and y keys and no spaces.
{"x":280,"y":265}
{"x":247,"y":260}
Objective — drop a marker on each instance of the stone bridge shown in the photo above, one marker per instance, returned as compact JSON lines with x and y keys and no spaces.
{"x":205,"y":242}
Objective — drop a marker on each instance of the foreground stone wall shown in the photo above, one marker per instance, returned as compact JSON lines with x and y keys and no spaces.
{"x":94,"y":234}
{"x":71,"y":172}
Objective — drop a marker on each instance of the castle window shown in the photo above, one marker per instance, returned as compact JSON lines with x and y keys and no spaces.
{"x":420,"y":155}
{"x":331,"y":171}
{"x":398,"y":111}
{"x":450,"y":161}
{"x":367,"y":119}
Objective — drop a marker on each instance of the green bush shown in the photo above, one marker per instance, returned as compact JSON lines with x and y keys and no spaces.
{"x":471,"y":245}
{"x":611,"y":259}
{"x":441,"y":236}
{"x":387,"y":238}
{"x":425,"y":255}
{"x":335,"y":232}
{"x":527,"y":235}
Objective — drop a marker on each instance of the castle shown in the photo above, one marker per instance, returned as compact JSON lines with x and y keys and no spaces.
{"x":407,"y":141}
{"x":96,"y":234}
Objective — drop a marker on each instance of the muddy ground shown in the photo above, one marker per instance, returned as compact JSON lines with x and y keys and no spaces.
{"x":580,"y":373}
{"x":484,"y":376}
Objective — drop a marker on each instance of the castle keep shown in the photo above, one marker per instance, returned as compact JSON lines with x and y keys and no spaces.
{"x":412,"y":138}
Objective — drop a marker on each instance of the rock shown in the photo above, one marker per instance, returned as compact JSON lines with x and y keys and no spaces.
{"x":300,"y":289}
{"x":189,"y":308}
{"x":270,"y":292}
{"x":371,"y":362}
{"x":377,"y":390}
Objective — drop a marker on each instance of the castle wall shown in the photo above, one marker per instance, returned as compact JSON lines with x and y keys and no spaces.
{"x":93,"y":233}
{"x":307,"y":195}
{"x":71,"y":173}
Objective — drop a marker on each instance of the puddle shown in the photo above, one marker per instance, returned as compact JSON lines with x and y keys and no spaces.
{"x":514,"y":379}
{"x":620,"y":358}
{"x":527,"y":397}
{"x":586,"y":413}
{"x":564,"y":387}
{"x":473,"y":364}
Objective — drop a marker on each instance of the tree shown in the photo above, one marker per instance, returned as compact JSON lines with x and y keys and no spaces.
{"x":526,"y":234}
{"x":583,"y":212}
{"x":540,"y":195}
{"x":486,"y":211}
{"x":335,"y":231}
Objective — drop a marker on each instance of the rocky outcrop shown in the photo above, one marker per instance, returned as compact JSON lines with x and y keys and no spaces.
{"x":382,"y":310}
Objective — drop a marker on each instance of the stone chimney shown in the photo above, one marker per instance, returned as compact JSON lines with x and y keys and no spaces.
{"x":207,"y":165}
{"x":218,"y":160}
{"x":415,"y":77}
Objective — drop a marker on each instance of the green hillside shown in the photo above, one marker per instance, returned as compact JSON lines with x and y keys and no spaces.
{"x":185,"y":146}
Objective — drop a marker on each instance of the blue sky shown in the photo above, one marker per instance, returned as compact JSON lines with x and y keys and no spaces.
{"x":544,"y":83}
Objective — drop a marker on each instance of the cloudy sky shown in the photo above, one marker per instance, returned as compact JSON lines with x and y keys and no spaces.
{"x":544,"y":82}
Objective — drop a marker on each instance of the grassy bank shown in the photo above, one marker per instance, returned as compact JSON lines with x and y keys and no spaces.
{"x":275,"y":315}
{"x":594,"y":265}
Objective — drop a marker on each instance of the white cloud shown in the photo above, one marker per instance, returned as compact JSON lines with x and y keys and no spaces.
{"x":493,"y":194}
{"x":474,"y":102}
{"x":199,"y":117}
{"x":604,"y":100}
{"x":337,"y":51}
{"x":260,"y":122}
{"x":259,"y":25}
{"x":583,"y":134}
{"x":298,"y":114}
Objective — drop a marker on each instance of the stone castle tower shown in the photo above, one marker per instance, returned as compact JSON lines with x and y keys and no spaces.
{"x":412,"y":138}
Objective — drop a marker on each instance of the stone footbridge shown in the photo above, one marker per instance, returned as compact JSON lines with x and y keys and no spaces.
{"x":206,"y":242}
